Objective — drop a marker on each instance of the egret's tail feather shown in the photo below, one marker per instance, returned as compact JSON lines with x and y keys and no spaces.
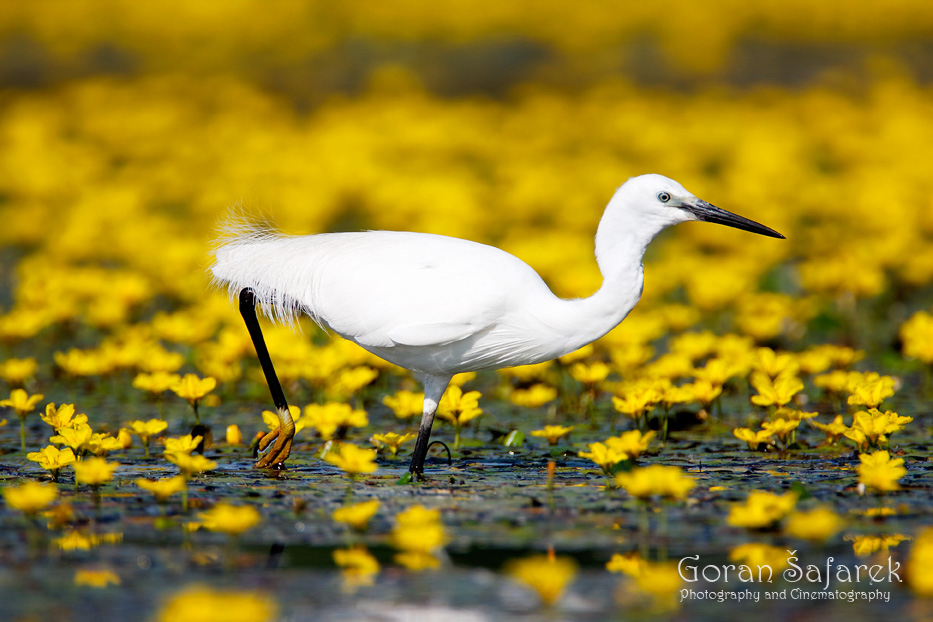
{"x":252,"y":254}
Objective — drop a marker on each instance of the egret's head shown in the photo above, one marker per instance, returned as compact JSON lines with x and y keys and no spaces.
{"x":662,"y":201}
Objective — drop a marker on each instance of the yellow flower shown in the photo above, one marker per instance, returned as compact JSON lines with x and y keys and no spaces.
{"x":162,"y":488}
{"x":756,"y":555}
{"x":62,"y":417}
{"x":877,"y":470}
{"x":781,"y":428}
{"x":230,"y":519}
{"x":670,"y":367}
{"x":920,"y":564}
{"x":22,"y":402}
{"x":31,"y":497}
{"x":775,"y":364}
{"x":358,"y":566}
{"x":604,"y":456}
{"x":234,"y":435}
{"x":89,"y":577}
{"x":357,"y":515}
{"x":553,"y":433}
{"x":462,"y":378}
{"x":630,"y":564}
{"x":719,"y":371}
{"x":102,"y":444}
{"x":391,"y":440}
{"x":704,"y":391}
{"x":458,"y":408}
{"x":417,"y":561}
{"x":349,"y":381}
{"x":528,"y":373}
{"x":817,"y":524}
{"x":835,"y":382}
{"x":861,"y":441}
{"x":694,"y":345}
{"x":863,"y":546}
{"x":631,"y":357}
{"x":637,"y":399}
{"x":156,"y":383}
{"x":419,"y":530}
{"x":190,"y":465}
{"x":761,"y":509}
{"x":792,"y":414}
{"x":589,"y":374}
{"x":182,"y":327}
{"x":194,"y":389}
{"x":145,"y":430}
{"x":672,"y":394}
{"x":204,"y":604}
{"x":872,"y":390}
{"x":547,"y":575}
{"x":94,"y":471}
{"x":656,"y":480}
{"x":813,"y":361}
{"x":873,"y":427}
{"x":777,"y":392}
{"x":535,"y":396}
{"x":405,"y":404}
{"x":77,"y":438}
{"x":74,"y":540}
{"x":833,"y":430}
{"x":52,"y":459}
{"x":661,"y":580}
{"x":632,"y":443}
{"x":334,"y":418}
{"x":752,"y":437}
{"x":917,"y":337}
{"x":577,"y":355}
{"x":18,"y":371}
{"x":181,"y":445}
{"x":352,"y":459}
{"x":875,"y":512}
{"x":78,"y":363}
{"x":822,"y":357}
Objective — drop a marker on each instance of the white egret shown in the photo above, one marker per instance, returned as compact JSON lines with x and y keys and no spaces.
{"x":438,"y":305}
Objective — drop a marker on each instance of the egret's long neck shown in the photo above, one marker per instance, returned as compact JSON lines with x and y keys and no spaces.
{"x":620,"y":246}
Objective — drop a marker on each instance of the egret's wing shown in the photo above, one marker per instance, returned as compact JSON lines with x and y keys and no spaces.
{"x":415,"y":289}
{"x":437,"y":333}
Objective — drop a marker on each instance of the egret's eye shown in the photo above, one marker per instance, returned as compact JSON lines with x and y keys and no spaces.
{"x":664,"y":197}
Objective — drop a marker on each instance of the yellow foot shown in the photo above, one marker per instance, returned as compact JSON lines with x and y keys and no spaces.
{"x":274,"y":449}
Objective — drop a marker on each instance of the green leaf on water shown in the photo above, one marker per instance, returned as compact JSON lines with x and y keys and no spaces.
{"x":801,"y":490}
{"x":515,"y":438}
{"x":623,"y":466}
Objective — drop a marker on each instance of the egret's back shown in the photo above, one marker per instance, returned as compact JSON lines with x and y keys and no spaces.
{"x":381,"y":289}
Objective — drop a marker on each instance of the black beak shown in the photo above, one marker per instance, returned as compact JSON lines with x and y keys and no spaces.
{"x":710,"y":213}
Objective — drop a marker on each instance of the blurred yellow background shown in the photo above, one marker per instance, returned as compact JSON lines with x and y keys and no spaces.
{"x":127,"y":130}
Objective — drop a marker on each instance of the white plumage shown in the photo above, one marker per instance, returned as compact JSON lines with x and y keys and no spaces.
{"x":438,"y":305}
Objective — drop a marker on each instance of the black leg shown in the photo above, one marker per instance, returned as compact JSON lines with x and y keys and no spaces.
{"x":434,"y":387}
{"x":248,"y":311}
{"x":420,"y":452}
{"x":275,"y":446}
